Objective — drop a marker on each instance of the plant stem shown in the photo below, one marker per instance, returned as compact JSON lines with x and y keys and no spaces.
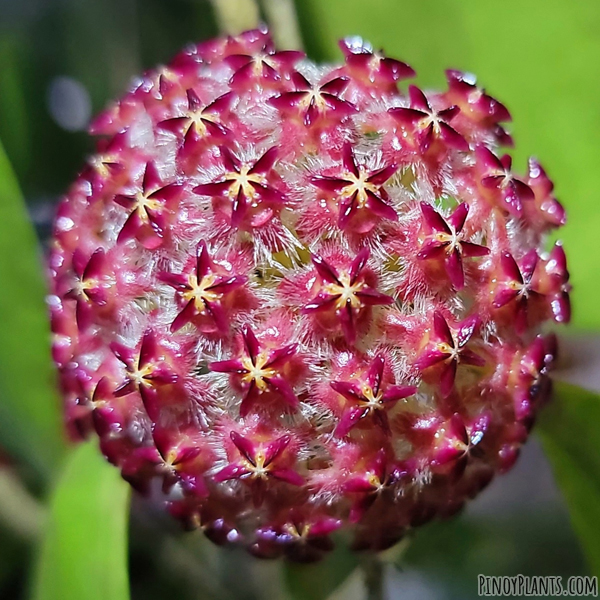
{"x":373,"y":569}
{"x":283,"y":23}
{"x":235,"y":16}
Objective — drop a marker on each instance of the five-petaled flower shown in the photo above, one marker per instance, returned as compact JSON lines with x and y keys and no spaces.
{"x":446,"y":241}
{"x":477,"y":106}
{"x":448,"y":346}
{"x":199,"y":121}
{"x":247,"y":188}
{"x":531,"y":376}
{"x":456,"y":441}
{"x":497,"y":177}
{"x":259,"y":371}
{"x":373,"y":68}
{"x":178,"y":458}
{"x":259,"y":463}
{"x":88,"y":290}
{"x":548,"y":212}
{"x":147,"y":209}
{"x":516,"y":287}
{"x":360,"y":191}
{"x":266,"y":65}
{"x":427,"y":124}
{"x":558,"y":285}
{"x":203,"y":291}
{"x":103,"y":167}
{"x":376,"y":477}
{"x":345,"y":293}
{"x":145,"y":371}
{"x":303,"y":537}
{"x":369,"y":396}
{"x":311,"y":102}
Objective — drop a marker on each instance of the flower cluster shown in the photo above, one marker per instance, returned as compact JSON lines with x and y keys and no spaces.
{"x":291,"y":299}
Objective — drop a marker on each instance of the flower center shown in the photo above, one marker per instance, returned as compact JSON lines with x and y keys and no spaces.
{"x":143,"y":204}
{"x":256,"y":371}
{"x":450,"y":240}
{"x":83,"y":285}
{"x":521,"y":288}
{"x":375,"y":481}
{"x":140,"y":376}
{"x":243,"y":181}
{"x":371,"y":400}
{"x":346,"y":292}
{"x":199,"y":293}
{"x":258,"y":469}
{"x":314,"y":97}
{"x":359,"y":186}
{"x":445,"y":348}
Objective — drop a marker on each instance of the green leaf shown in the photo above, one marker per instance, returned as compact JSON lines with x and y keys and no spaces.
{"x":454,"y":551}
{"x":14,"y":121}
{"x":317,"y":581}
{"x":29,"y":417}
{"x":84,"y":551}
{"x":570,"y":429}
{"x":536,"y":56}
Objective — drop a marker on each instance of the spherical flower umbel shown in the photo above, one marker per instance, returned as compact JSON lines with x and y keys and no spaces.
{"x":294,"y":301}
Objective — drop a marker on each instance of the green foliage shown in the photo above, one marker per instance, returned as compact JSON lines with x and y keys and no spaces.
{"x":570,"y":430}
{"x":14,"y":122}
{"x":317,"y":581}
{"x":84,"y":551}
{"x":535,"y":55}
{"x":29,"y":420}
{"x":450,"y":554}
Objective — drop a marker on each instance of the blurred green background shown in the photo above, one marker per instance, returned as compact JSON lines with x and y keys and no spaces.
{"x":60,"y":62}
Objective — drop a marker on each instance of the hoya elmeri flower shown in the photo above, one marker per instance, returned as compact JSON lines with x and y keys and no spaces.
{"x":291,"y":299}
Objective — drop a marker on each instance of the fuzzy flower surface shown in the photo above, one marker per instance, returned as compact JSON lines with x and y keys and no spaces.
{"x":293,"y":299}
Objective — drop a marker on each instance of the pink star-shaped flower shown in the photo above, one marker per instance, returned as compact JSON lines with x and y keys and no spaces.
{"x":202,"y":291}
{"x":145,"y":371}
{"x":360,"y":191}
{"x":428,"y":125}
{"x":456,"y":442}
{"x":265,"y":66}
{"x":147,"y":208}
{"x":347,"y":294}
{"x":446,"y":241}
{"x":547,"y":208}
{"x":259,"y":371}
{"x":304,"y":537}
{"x":477,"y":106}
{"x":246,"y":186}
{"x":448,"y":346}
{"x":199,"y":121}
{"x":105,"y":415}
{"x":497,"y":177}
{"x":533,"y":383}
{"x":88,"y":291}
{"x":313,"y":101}
{"x":515,"y":287}
{"x":373,"y":67}
{"x":370,"y":397}
{"x":376,"y":477}
{"x":107,"y":164}
{"x":558,"y":284}
{"x":179,"y":461}
{"x":259,"y":463}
